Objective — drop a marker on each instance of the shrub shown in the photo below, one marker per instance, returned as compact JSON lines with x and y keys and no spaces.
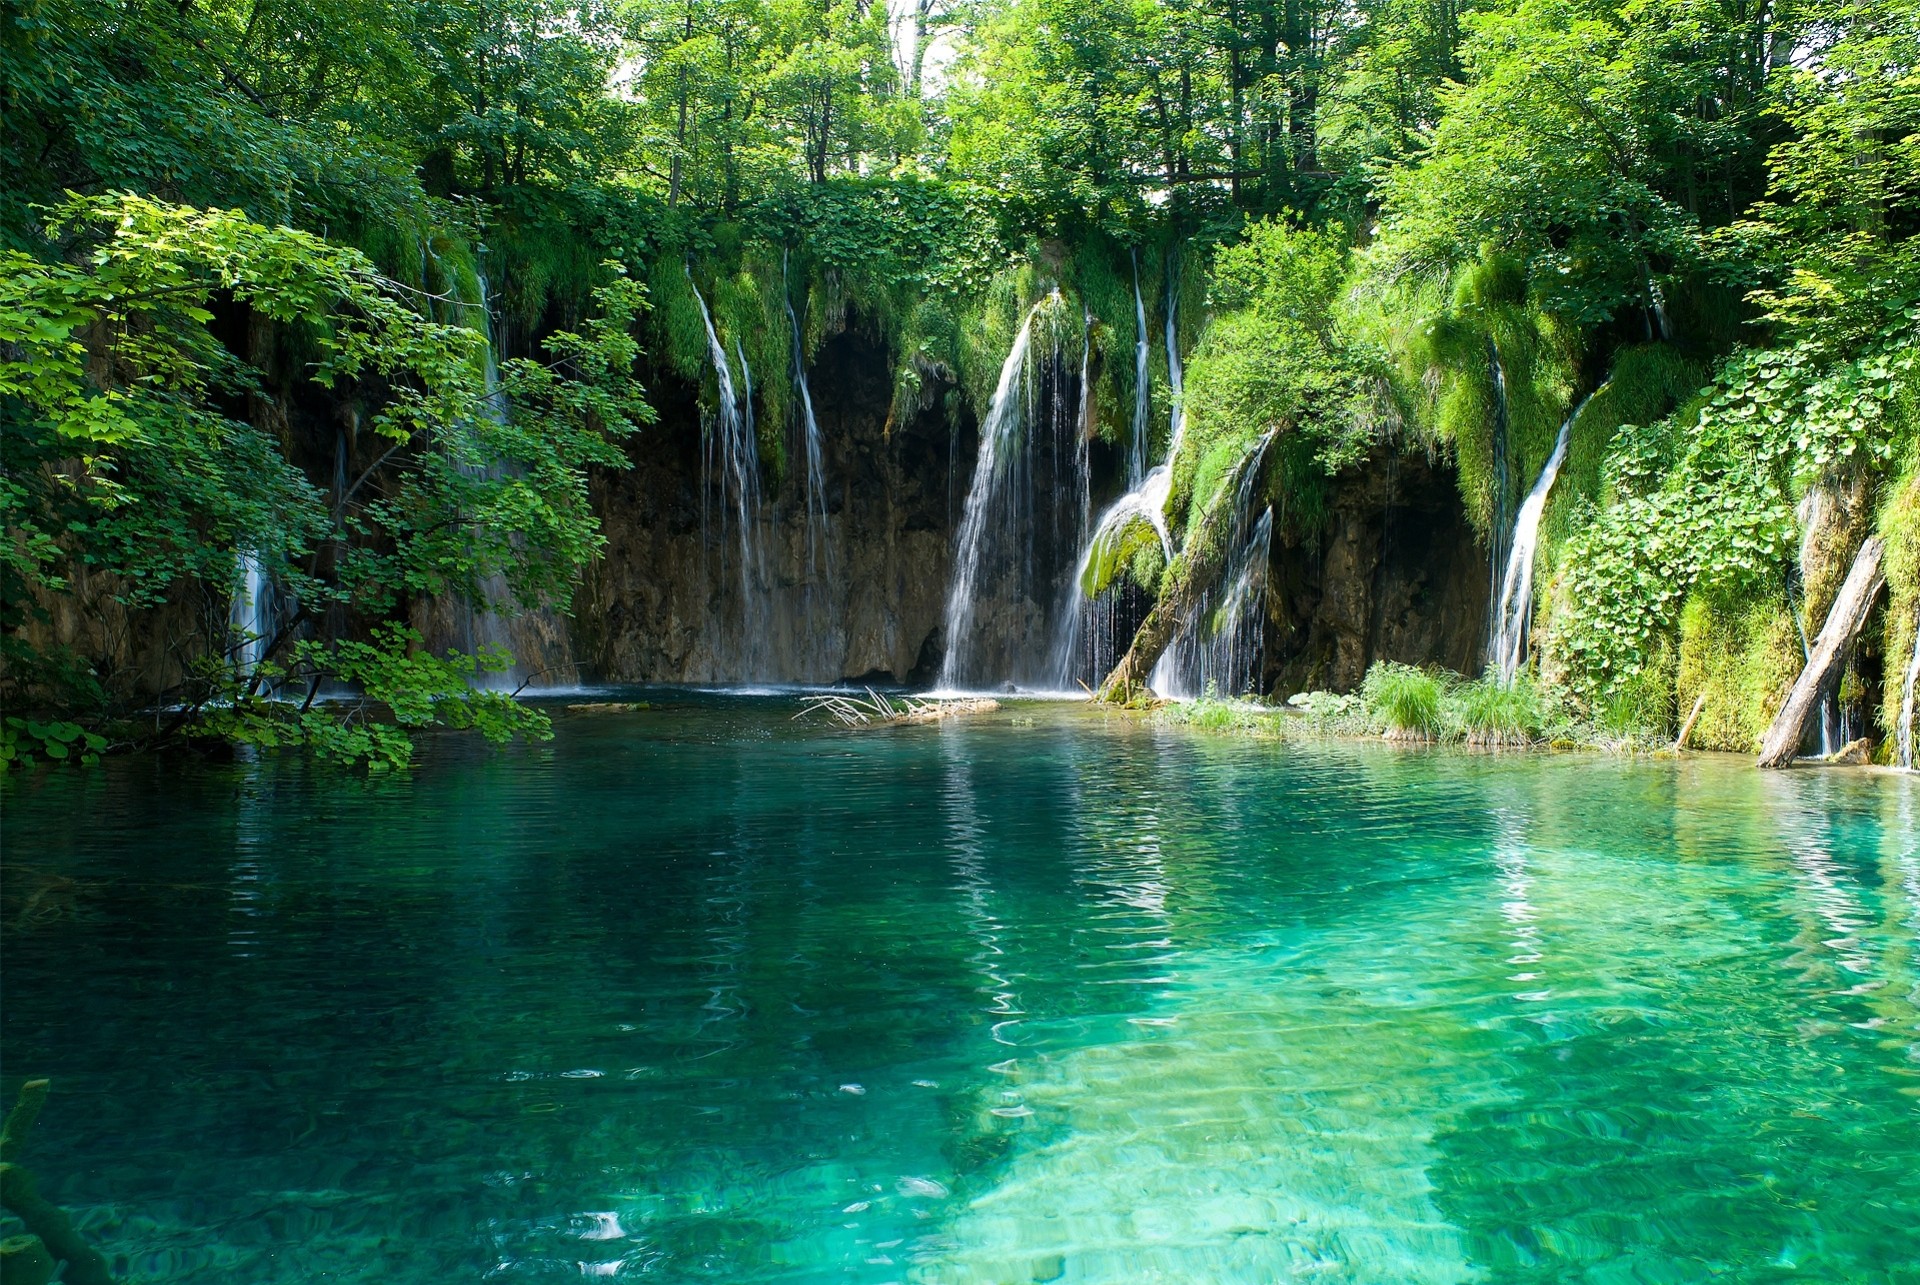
{"x":1332,"y":712}
{"x":1210,"y":713}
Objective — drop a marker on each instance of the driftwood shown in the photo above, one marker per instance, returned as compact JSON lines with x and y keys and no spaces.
{"x":1825,"y":658}
{"x":877,"y":710}
{"x":47,"y":1222}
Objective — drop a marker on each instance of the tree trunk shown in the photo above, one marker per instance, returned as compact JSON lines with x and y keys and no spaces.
{"x":1828,"y":654}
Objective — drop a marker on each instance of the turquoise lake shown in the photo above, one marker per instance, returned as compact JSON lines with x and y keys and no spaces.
{"x":704,"y":993}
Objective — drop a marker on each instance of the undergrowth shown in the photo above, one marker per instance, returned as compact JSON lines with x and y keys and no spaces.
{"x":1405,"y":703}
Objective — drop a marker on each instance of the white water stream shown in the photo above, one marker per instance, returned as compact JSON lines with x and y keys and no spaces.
{"x":1514,"y":607}
{"x":730,"y":442}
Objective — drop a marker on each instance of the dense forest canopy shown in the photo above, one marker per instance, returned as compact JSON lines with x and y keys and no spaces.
{"x":233,"y":228}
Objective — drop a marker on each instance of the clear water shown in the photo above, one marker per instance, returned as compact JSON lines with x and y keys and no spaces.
{"x":705,"y":994}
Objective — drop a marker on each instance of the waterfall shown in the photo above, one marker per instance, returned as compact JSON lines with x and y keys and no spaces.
{"x":251,"y":614}
{"x":1142,"y":400}
{"x":1091,"y":621}
{"x":1903,"y":734}
{"x":1514,"y":607}
{"x":819,"y":556}
{"x":1010,"y":555}
{"x":1071,"y":615}
{"x":1218,"y":642}
{"x":484,"y":627}
{"x":730,"y":440}
{"x":746,"y":394}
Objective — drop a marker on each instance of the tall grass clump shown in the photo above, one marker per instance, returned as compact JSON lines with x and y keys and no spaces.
{"x":1486,"y":712}
{"x":1402,"y":701}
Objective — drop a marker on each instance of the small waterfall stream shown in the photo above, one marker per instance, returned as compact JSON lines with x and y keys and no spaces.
{"x":1071,"y":615}
{"x":1513,"y":608}
{"x":1176,"y":379}
{"x":251,"y":615}
{"x":730,"y":443}
{"x":819,"y":556}
{"x":1091,"y":623}
{"x":1021,"y":520}
{"x":483,"y":625}
{"x":1903,"y":734}
{"x":1817,"y":509}
{"x":1142,"y":398}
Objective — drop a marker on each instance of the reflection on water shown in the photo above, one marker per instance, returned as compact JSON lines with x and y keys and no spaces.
{"x":703,"y":994}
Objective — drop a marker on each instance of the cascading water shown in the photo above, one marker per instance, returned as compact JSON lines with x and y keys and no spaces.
{"x":1176,"y":381}
{"x":1903,"y":735}
{"x":1218,"y":643}
{"x":730,"y":442}
{"x":1513,"y":610}
{"x":484,"y":626}
{"x":1015,"y":539}
{"x":746,"y":393}
{"x":1142,"y":400}
{"x":535,"y":638}
{"x":819,"y":555}
{"x":251,"y":615}
{"x":1092,"y":621}
{"x":1071,"y":616}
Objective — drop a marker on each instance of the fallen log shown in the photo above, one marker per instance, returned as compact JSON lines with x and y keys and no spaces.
{"x":1828,"y":653}
{"x":1193,"y":569}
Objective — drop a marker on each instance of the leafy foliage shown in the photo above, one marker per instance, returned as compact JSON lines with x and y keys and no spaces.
{"x":1279,"y":358}
{"x":1721,"y":519}
{"x":127,"y":467}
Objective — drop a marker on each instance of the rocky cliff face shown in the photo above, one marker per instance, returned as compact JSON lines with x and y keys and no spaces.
{"x":666,"y":602}
{"x":1397,"y":574}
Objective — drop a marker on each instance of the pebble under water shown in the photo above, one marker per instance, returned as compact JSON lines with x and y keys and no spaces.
{"x":701,"y":993}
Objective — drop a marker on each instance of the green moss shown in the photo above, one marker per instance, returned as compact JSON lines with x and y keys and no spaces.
{"x":1132,"y":551}
{"x":1446,"y":374}
{"x":680,"y":336}
{"x":1646,"y":384}
{"x":1744,"y":655}
{"x":1900,"y":525}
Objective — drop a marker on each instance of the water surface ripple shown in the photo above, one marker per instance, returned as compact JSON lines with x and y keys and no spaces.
{"x":704,"y":994}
